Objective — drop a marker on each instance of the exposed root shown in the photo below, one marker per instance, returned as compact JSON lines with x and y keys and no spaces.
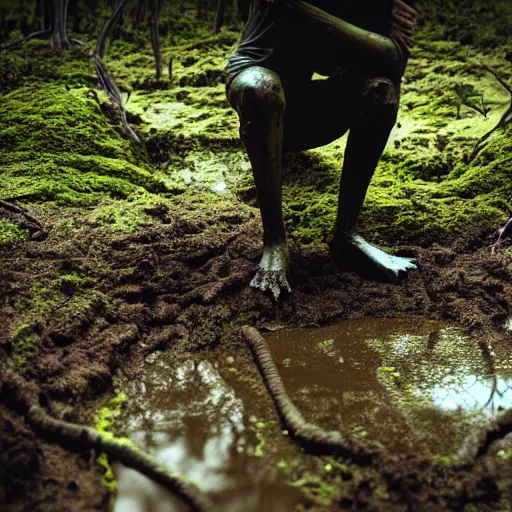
{"x":504,"y":232}
{"x":42,"y":34}
{"x":22,"y":218}
{"x":309,"y":435}
{"x":57,"y":17}
{"x":75,"y":437}
{"x":477,"y":444}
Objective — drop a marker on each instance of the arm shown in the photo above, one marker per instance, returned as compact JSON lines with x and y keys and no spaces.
{"x":367,"y":45}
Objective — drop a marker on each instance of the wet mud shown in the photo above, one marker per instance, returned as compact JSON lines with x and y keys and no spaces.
{"x":152,"y":304}
{"x":413,"y":385}
{"x":183,"y":284}
{"x":185,"y":413}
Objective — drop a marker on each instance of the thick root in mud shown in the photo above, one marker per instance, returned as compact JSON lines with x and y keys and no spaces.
{"x":311,"y":436}
{"x":479,"y":442}
{"x":75,"y":437}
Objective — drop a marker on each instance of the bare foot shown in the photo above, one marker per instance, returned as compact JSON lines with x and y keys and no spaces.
{"x":272,"y":268}
{"x":352,"y":253}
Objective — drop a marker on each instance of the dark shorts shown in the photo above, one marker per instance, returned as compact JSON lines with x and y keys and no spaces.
{"x":320,"y":111}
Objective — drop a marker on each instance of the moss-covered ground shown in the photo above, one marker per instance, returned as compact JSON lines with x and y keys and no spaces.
{"x":152,"y":246}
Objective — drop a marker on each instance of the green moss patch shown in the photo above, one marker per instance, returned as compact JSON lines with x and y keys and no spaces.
{"x":10,"y":233}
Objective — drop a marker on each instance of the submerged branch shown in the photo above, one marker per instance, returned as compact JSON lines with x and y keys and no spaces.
{"x":311,"y":436}
{"x":73,"y":437}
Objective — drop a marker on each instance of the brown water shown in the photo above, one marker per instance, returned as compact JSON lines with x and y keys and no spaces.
{"x":410,"y":384}
{"x":186,"y":414}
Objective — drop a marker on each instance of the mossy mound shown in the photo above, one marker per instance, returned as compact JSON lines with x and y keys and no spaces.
{"x":57,"y":145}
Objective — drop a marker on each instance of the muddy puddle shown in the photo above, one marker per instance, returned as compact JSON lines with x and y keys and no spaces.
{"x":410,"y":384}
{"x":185,"y":413}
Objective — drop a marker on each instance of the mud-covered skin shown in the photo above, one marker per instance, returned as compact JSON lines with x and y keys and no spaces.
{"x":272,"y":270}
{"x":353,"y":253}
{"x":280,"y":115}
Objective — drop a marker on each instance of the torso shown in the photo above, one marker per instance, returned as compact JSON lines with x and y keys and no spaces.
{"x":275,"y":37}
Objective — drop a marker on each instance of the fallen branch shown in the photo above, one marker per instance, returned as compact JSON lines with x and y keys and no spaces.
{"x":73,"y":437}
{"x":309,"y":435}
{"x":106,"y":81}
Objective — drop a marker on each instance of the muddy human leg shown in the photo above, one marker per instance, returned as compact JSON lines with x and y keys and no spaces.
{"x":366,"y":142}
{"x":258,"y":96}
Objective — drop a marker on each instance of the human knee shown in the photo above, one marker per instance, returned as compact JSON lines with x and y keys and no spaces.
{"x":381,"y":94}
{"x":257,"y":91}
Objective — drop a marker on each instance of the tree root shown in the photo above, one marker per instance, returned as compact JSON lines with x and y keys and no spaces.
{"x":307,"y":434}
{"x":75,"y":438}
{"x":504,"y":232}
{"x":56,"y":31}
{"x":477,"y":444}
{"x":22,"y":218}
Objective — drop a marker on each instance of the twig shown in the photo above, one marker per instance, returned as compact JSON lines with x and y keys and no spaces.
{"x":505,"y":119}
{"x":308,"y":434}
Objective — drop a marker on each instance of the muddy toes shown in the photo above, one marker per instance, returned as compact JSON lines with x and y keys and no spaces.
{"x":274,"y":281}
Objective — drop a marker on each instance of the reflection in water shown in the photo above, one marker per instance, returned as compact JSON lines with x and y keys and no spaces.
{"x":404,"y":382}
{"x":192,"y":420}
{"x":414,"y":385}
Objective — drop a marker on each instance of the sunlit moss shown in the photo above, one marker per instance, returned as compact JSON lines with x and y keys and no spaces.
{"x":103,"y":423}
{"x":10,"y":233}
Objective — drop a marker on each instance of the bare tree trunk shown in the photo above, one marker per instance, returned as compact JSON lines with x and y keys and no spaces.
{"x":155,"y":36}
{"x":219,"y":17}
{"x":59,"y":39}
